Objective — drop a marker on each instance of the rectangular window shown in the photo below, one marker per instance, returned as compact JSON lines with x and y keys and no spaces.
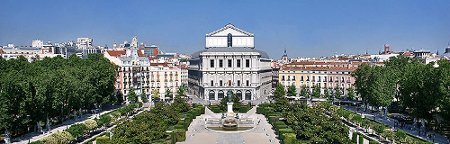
{"x":238,"y":63}
{"x":247,"y":63}
{"x":220,"y":63}
{"x":220,"y":83}
{"x":212,"y":83}
{"x":230,"y":63}
{"x":247,"y":83}
{"x":239,"y":83}
{"x":211,"y":63}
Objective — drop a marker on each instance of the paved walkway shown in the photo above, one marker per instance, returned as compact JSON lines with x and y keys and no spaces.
{"x":31,"y":137}
{"x":261,"y":134}
{"x":438,"y":138}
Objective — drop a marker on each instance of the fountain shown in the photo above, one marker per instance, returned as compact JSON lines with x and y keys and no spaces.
{"x":229,"y":121}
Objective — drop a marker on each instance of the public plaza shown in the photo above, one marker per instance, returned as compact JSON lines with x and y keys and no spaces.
{"x":262,"y":133}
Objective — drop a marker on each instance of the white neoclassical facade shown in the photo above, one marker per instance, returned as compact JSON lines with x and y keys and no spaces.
{"x":230,"y":62}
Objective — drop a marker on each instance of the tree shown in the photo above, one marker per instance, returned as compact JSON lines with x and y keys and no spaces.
{"x":292,"y":91}
{"x":180,"y":104}
{"x":326,"y":93}
{"x":168,"y":95}
{"x":281,"y":101}
{"x":304,"y":91}
{"x":119,"y":96}
{"x":144,"y":97}
{"x":155,"y":94}
{"x":52,"y":88}
{"x":337,"y":92}
{"x":279,"y":91}
{"x":361,"y":75}
{"x":381,"y":87}
{"x":316,"y":91}
{"x":421,"y":89}
{"x":132,"y":98}
{"x":351,"y":93}
{"x":311,"y":125}
{"x":443,"y":72}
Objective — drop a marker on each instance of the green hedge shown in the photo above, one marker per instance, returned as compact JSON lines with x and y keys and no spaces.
{"x":354,"y":137}
{"x":180,"y":135}
{"x":102,"y":140}
{"x":104,"y":120}
{"x":215,"y":108}
{"x":281,"y":132}
{"x":361,"y":139}
{"x":77,"y":130}
{"x":289,"y":138}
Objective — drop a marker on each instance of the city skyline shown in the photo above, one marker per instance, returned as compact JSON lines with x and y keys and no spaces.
{"x":304,"y":28}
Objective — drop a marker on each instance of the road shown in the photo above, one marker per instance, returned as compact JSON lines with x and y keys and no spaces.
{"x":438,"y":138}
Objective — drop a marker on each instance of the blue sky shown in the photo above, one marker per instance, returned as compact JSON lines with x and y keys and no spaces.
{"x":304,"y":27}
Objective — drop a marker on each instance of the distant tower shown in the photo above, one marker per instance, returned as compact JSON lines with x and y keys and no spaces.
{"x":134,"y":42}
{"x":285,"y":58}
{"x":387,"y":48}
{"x":447,"y":50}
{"x":114,"y":45}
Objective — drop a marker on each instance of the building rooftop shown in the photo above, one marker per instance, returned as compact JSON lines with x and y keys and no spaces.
{"x":116,"y":53}
{"x":318,"y":68}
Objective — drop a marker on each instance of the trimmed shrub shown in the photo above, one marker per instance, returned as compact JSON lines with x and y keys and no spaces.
{"x":289,"y":138}
{"x":178,"y":126}
{"x":354,"y":137}
{"x":278,"y":127}
{"x":102,"y":140}
{"x":180,"y":135}
{"x":90,"y":124}
{"x":104,"y":120}
{"x":361,"y":139}
{"x":281,"y":132}
{"x":273,"y":119}
{"x":115,"y":115}
{"x":77,"y":130}
{"x":58,"y":138}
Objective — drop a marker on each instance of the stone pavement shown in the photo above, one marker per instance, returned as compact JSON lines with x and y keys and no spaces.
{"x":262,"y":133}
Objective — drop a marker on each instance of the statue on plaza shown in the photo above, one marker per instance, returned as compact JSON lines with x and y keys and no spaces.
{"x":230,"y":96}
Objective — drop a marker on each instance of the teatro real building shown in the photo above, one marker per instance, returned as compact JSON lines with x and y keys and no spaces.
{"x":230,"y":62}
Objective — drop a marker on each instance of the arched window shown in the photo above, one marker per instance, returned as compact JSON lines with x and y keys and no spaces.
{"x":229,"y":40}
{"x":212,"y":95}
{"x":239,"y":94}
{"x":248,"y":95}
{"x":221,"y":95}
